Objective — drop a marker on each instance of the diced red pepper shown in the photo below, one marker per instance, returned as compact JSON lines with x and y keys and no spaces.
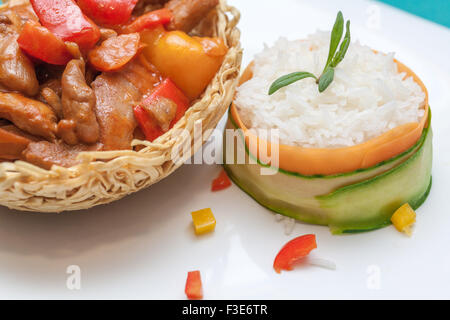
{"x":193,"y":289}
{"x":167,"y":89}
{"x":150,"y":20}
{"x":221,"y":182}
{"x":40,"y":43}
{"x":114,"y":52}
{"x":66,"y":21}
{"x":293,"y":251}
{"x":148,"y":125}
{"x":108,"y":12}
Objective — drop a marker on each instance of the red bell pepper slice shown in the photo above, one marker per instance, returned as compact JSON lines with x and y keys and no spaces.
{"x":193,"y":289}
{"x":221,"y":182}
{"x":108,"y":12}
{"x":40,"y":43}
{"x":167,"y":89}
{"x":148,"y":125}
{"x":293,"y":251}
{"x":150,"y":20}
{"x":66,"y":21}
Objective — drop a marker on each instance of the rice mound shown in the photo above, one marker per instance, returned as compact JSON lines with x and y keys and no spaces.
{"x":367,"y":98}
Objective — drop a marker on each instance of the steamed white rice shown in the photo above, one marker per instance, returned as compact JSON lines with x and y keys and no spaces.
{"x":367,"y":98}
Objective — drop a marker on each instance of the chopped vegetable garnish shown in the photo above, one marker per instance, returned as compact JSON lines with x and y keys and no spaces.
{"x":404,"y":218}
{"x":193,"y":289}
{"x":221,"y":182}
{"x":148,"y":125}
{"x":294,"y":250}
{"x":147,"y":122}
{"x":40,"y":43}
{"x":150,"y":20}
{"x":108,"y":12}
{"x":203,"y":220}
{"x":66,"y":20}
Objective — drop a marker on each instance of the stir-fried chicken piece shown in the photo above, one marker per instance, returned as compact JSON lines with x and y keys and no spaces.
{"x":142,"y":74}
{"x":44,"y":154}
{"x":49,"y":96}
{"x":117,"y":93}
{"x":78,"y":102}
{"x":29,"y":115}
{"x":19,"y":14}
{"x":188,"y":13}
{"x":163,"y":110}
{"x":16,"y":70}
{"x":144,"y":6}
{"x":114,"y":110}
{"x":13,"y":142}
{"x":54,"y":84}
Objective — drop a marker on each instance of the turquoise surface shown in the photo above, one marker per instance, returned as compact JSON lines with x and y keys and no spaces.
{"x":435,"y":10}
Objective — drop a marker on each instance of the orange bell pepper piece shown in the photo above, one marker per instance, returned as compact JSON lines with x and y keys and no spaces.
{"x":191,"y":62}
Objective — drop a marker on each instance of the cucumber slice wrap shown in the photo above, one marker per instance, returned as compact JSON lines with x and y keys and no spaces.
{"x":358,"y":201}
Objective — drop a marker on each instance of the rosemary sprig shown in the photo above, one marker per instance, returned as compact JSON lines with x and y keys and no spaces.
{"x":334,"y":58}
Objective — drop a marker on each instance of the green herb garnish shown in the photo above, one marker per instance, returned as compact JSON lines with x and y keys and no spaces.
{"x":334,"y":58}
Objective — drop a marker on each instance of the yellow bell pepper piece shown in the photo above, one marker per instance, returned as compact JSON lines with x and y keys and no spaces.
{"x":203,"y":220}
{"x":404,"y":218}
{"x":190,"y":62}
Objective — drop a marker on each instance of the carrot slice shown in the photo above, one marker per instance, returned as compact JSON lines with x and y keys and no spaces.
{"x":323,"y":161}
{"x":115,"y":52}
{"x":40,"y":43}
{"x":294,"y":250}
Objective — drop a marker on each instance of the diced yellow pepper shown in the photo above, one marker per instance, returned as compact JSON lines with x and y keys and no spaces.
{"x":203,"y":220}
{"x":404,"y":218}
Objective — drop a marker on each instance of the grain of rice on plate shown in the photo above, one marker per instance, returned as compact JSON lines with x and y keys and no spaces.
{"x":367,"y":98}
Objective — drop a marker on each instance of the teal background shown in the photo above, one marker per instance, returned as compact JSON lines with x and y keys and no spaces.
{"x":435,"y":10}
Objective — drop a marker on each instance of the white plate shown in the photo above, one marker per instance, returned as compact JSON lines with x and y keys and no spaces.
{"x":143,"y":246}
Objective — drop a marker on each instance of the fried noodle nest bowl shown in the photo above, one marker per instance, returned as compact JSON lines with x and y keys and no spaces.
{"x":106,"y":176}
